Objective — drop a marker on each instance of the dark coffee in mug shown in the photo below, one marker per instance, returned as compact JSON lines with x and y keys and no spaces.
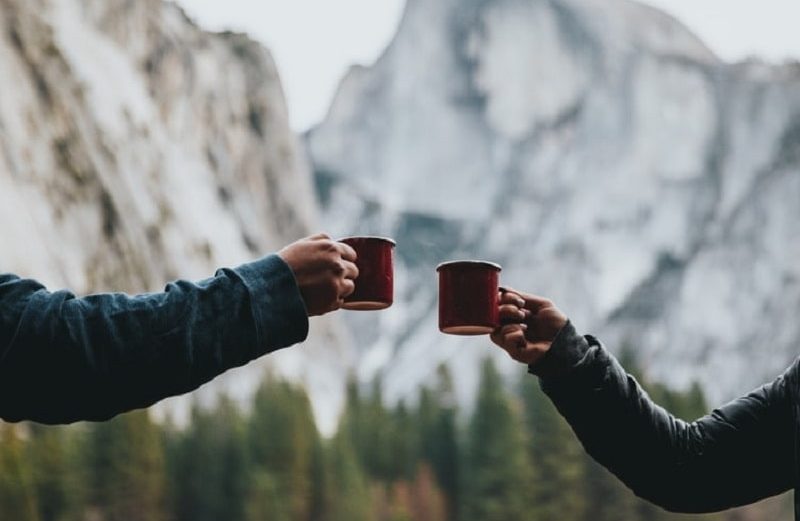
{"x":375,"y":282}
{"x":468,"y":297}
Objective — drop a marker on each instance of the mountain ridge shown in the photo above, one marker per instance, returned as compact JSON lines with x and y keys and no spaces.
{"x":600,"y":152}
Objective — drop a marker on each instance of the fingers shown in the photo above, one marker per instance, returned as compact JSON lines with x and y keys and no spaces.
{"x":349,"y":270}
{"x":347,"y":287}
{"x":512,"y":307}
{"x":336,"y":256}
{"x":343,"y":288}
{"x":536,"y":303}
{"x":345,"y":272}
{"x":347,"y":252}
{"x":511,"y":338}
{"x":511,"y":314}
{"x":502,"y":334}
{"x":531,"y":302}
{"x":514,"y":342}
{"x":511,"y":297}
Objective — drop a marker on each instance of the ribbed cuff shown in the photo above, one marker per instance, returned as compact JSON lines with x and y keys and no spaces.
{"x":567,"y":350}
{"x":278,"y":307}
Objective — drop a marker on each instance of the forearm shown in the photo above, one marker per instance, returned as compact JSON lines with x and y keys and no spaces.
{"x":734,"y":456}
{"x":90,"y":358}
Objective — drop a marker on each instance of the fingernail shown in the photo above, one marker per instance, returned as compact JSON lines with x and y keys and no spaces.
{"x":523,"y":326}
{"x":520,"y":303}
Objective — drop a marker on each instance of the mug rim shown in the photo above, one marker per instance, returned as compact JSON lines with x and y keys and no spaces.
{"x":369,"y":238}
{"x":472,"y":262}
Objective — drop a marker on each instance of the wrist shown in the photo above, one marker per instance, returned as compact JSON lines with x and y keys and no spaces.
{"x":566,"y":351}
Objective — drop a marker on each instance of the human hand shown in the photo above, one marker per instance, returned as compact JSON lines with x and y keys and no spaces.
{"x":531,"y":323}
{"x":324,"y":269}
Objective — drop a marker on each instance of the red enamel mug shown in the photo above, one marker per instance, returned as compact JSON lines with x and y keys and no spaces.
{"x":375,"y":282}
{"x":468,"y":297}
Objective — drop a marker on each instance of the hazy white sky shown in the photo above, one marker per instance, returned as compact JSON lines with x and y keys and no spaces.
{"x":314,"y":41}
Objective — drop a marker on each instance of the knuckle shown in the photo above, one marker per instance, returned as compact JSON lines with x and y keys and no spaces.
{"x":329,"y":262}
{"x":509,"y":298}
{"x":325,"y":245}
{"x":337,"y":266}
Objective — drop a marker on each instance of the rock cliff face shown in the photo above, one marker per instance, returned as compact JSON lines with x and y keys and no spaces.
{"x":603,"y":155}
{"x":136,"y":148}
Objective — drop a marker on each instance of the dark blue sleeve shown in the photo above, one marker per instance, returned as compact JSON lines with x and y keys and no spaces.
{"x":740,"y":453}
{"x":64,"y":359}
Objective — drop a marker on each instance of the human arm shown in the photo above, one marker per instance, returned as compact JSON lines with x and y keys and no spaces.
{"x":738,"y":454}
{"x":64,"y":358}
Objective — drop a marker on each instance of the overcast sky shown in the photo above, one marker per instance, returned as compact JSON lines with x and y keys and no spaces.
{"x":314,"y":41}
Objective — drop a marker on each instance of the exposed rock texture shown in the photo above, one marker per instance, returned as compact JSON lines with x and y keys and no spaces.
{"x":136,"y":148}
{"x":603,"y":155}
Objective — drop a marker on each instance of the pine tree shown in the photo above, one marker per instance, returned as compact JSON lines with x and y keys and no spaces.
{"x":693,"y":405}
{"x":348,"y":496}
{"x":374,"y":433}
{"x":209,"y":466}
{"x":266,"y":501}
{"x":607,"y":499}
{"x":498,"y":476}
{"x":320,"y":482}
{"x":51,"y":456}
{"x":17,"y":491}
{"x":377,"y":427}
{"x":403,"y":444}
{"x":351,"y":420}
{"x":439,"y":437}
{"x":556,"y":456}
{"x":282,"y":437}
{"x":126,"y":461}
